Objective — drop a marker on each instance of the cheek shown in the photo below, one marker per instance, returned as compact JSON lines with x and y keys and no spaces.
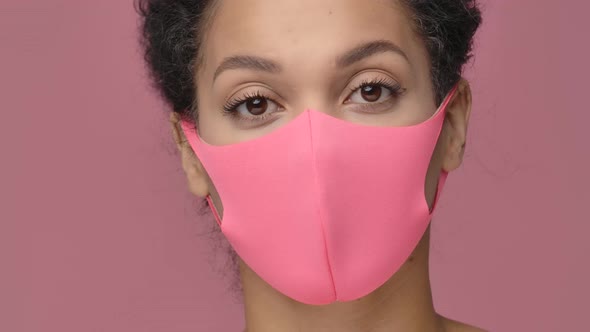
{"x":213,"y":127}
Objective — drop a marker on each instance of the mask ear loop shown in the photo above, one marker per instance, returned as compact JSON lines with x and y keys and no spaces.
{"x":441,"y":183}
{"x":443,"y":174}
{"x":214,"y":210}
{"x":192,"y":130}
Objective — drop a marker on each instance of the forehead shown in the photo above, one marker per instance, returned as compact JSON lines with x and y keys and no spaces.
{"x":291,"y":30}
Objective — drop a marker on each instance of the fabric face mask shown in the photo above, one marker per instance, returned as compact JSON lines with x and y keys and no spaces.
{"x":324,"y":209}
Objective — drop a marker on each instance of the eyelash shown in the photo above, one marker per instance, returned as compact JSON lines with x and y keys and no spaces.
{"x":230,"y":107}
{"x":391,"y":85}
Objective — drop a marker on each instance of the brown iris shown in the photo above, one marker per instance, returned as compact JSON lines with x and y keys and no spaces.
{"x":371,"y":93}
{"x":257,"y":106}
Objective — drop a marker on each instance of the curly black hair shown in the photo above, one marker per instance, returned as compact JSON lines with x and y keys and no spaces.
{"x":170,"y":37}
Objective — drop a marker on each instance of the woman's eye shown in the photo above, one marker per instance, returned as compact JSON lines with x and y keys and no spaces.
{"x":256,"y":107}
{"x":370,"y":93}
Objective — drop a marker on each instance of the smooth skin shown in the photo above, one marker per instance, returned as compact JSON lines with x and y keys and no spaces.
{"x":291,"y":55}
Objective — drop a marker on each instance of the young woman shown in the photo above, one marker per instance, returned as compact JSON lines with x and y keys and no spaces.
{"x":321,"y":133}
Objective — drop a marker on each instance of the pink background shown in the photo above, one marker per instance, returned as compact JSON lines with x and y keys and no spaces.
{"x":99,"y":233}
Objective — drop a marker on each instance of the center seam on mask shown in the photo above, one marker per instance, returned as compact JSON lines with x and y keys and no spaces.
{"x":317,"y":196}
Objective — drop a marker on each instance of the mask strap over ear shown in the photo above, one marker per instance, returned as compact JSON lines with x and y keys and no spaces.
{"x":441,"y":183}
{"x":215,"y":213}
{"x":450,"y":95}
{"x":443,"y":174}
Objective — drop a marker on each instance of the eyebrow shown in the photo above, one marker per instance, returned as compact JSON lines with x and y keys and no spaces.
{"x":354,"y":55}
{"x":247,"y":62}
{"x":366,"y":50}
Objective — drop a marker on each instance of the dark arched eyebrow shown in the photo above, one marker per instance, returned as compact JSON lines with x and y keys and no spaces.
{"x":247,"y":62}
{"x":352,"y":56}
{"x":366,"y":50}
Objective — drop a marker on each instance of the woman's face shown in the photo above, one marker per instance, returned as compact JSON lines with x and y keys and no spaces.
{"x":267,"y":61}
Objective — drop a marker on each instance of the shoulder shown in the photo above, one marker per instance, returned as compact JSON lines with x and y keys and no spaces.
{"x":456,"y":326}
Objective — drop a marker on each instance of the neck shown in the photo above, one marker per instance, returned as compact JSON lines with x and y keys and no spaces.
{"x":403,"y":303}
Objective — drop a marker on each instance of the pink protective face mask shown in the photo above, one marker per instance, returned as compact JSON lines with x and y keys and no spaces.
{"x":323,"y":209}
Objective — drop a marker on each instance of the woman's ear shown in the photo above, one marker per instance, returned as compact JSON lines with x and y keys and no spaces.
{"x":195,"y":172}
{"x":456,"y":122}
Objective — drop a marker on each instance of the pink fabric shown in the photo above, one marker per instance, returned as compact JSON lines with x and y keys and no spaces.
{"x":324,"y":209}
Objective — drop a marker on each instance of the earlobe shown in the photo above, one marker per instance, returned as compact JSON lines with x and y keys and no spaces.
{"x":193,"y":169}
{"x":455,"y":127}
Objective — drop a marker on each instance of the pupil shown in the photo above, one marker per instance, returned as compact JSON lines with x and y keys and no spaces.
{"x":371,"y":93}
{"x":257,"y":106}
